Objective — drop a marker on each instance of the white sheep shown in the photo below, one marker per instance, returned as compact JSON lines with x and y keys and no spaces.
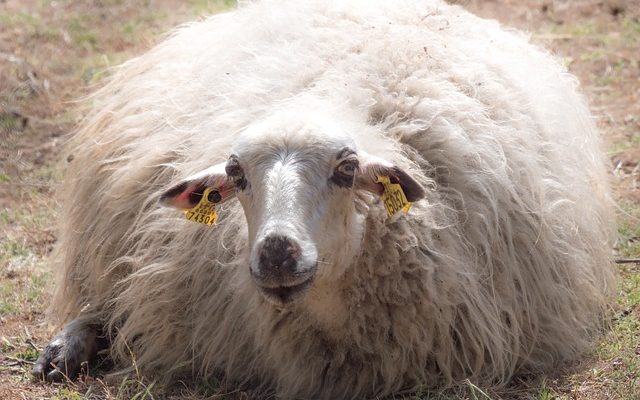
{"x":305,"y":287}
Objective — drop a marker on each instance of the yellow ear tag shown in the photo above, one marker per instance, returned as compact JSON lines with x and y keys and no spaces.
{"x":393,"y":197}
{"x":205,"y":211}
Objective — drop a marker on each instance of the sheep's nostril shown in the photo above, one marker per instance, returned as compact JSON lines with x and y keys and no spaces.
{"x":278,"y":255}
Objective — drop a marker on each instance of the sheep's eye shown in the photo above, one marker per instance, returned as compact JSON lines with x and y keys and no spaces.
{"x":345,"y":173}
{"x":235,"y":172}
{"x":348,"y":167}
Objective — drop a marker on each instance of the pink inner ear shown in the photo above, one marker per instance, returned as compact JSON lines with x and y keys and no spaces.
{"x":369,"y":184}
{"x":183,"y":198}
{"x":379,"y":189}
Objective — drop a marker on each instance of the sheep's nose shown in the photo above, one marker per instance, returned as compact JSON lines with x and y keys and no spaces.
{"x":278,"y":257}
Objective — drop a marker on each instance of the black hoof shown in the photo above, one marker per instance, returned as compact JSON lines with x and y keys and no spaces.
{"x":69,"y":353}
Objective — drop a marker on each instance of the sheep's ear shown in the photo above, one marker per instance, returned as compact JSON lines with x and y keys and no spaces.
{"x":371,"y":168}
{"x":188,"y":193}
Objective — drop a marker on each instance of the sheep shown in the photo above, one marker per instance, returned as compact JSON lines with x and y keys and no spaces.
{"x":284,"y":118}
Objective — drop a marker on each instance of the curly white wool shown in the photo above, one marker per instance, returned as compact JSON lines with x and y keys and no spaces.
{"x":503,"y":268}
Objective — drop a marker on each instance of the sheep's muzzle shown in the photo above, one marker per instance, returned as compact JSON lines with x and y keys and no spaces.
{"x":280,"y":275}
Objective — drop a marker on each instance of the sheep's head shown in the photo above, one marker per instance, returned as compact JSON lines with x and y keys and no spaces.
{"x":296,"y":181}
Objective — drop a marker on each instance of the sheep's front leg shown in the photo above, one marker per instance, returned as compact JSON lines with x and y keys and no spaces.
{"x":69,"y":351}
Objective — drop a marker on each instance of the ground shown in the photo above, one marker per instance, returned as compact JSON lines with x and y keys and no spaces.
{"x":53,"y":53}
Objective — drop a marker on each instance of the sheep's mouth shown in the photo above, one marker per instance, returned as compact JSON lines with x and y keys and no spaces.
{"x":281,"y":295}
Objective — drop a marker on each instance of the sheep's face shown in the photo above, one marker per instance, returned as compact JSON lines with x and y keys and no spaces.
{"x":296,"y":182}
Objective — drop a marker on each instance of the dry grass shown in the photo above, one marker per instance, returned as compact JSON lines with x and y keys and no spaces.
{"x":54,"y":52}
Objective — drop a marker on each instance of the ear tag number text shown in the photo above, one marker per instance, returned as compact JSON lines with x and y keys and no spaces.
{"x":393,"y":197}
{"x":205,"y":211}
